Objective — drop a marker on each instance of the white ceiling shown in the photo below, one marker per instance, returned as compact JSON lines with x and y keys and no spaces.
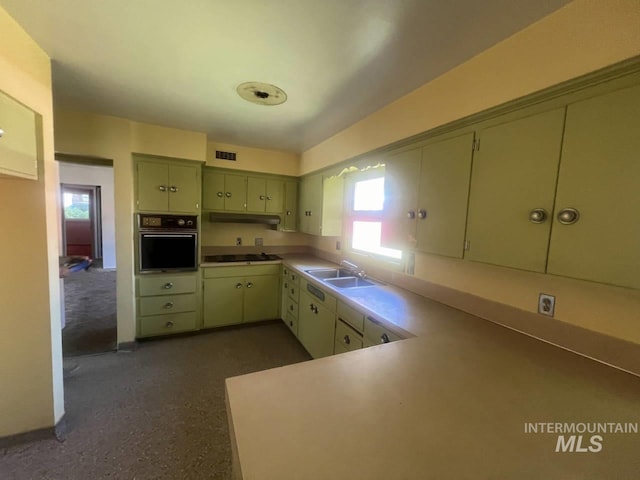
{"x":178,"y":63}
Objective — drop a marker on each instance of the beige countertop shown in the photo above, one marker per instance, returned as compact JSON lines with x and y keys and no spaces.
{"x":452,"y":403}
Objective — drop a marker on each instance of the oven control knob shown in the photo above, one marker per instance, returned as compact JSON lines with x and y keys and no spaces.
{"x":190,"y":222}
{"x":180,"y":222}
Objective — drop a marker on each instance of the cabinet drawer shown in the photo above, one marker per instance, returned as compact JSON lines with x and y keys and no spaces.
{"x":241,"y":271}
{"x":375,"y":333}
{"x":292,"y":307}
{"x":351,"y":316}
{"x":168,"y":304}
{"x":319,"y":295}
{"x":166,"y":285}
{"x":167,"y":324}
{"x":292,"y":322}
{"x":293,"y":292}
{"x":347,"y":339}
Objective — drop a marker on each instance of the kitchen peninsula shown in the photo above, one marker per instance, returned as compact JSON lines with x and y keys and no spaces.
{"x":453,"y":402}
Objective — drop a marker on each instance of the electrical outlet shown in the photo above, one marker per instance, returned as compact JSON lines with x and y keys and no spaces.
{"x":238,"y":241}
{"x":258,"y":242}
{"x":546,"y":304}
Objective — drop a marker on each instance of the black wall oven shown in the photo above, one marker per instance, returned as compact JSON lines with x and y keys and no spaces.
{"x":167,"y":243}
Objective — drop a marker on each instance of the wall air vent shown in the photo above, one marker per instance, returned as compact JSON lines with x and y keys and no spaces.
{"x":231,"y":156}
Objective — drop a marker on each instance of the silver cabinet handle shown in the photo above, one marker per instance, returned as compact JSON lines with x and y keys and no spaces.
{"x":422,"y":214}
{"x":290,"y":323}
{"x":384,"y":338}
{"x":293,"y":291}
{"x":169,"y":324}
{"x":173,"y":188}
{"x":269,"y":197}
{"x":162,"y":188}
{"x":311,"y":307}
{"x":568,"y":216}
{"x":261,"y":197}
{"x":167,"y":285}
{"x":1,"y":132}
{"x":286,"y":285}
{"x":220,"y":194}
{"x":168,"y":305}
{"x":293,"y":277}
{"x":228,"y":194}
{"x":238,"y":285}
{"x":288,"y":212}
{"x":249,"y":285}
{"x":538,"y":215}
{"x":411,"y":214}
{"x":347,"y":340}
{"x":291,"y":307}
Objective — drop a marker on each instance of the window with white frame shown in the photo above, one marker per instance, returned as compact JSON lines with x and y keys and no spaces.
{"x":364,"y":216}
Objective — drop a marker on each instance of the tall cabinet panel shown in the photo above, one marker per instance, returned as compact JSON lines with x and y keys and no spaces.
{"x":18,"y":139}
{"x":153,"y":180}
{"x":400,"y":199}
{"x":289,"y":218}
{"x":599,"y":184}
{"x":184,"y":188}
{"x":512,"y":191}
{"x":443,"y":194}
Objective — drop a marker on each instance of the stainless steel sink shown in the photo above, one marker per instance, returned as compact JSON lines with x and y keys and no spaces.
{"x":324,"y":273}
{"x":349,"y":282}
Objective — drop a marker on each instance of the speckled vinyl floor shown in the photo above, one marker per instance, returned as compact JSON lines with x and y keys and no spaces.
{"x":155,"y":413}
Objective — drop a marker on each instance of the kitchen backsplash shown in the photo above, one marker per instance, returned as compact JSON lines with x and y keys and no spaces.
{"x":226,"y":234}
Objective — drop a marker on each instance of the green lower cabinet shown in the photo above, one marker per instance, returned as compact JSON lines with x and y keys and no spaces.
{"x":232,"y":295}
{"x":346,"y":338}
{"x":316,"y":326}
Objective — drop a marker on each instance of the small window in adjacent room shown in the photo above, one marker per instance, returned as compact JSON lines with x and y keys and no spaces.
{"x":365,"y":218}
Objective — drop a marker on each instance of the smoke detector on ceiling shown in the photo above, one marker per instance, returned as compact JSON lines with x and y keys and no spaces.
{"x":261,"y":93}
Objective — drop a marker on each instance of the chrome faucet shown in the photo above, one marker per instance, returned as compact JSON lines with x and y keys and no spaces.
{"x":355,"y":269}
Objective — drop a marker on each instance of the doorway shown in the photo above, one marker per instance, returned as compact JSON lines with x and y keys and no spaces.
{"x":87,"y":216}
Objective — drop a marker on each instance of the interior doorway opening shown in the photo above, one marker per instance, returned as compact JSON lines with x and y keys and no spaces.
{"x":87,"y":216}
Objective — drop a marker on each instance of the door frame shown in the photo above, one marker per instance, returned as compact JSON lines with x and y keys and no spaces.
{"x":95,"y":216}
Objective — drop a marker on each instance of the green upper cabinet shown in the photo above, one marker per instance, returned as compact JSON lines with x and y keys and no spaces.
{"x":166,"y":186}
{"x":265,"y":195}
{"x":600,"y":180}
{"x":290,"y":211}
{"x":224,"y":191}
{"x":18,"y":139}
{"x":320,"y":207}
{"x":512,"y":191}
{"x":401,"y":199}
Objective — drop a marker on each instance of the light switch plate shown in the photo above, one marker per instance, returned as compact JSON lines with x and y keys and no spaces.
{"x":258,"y":242}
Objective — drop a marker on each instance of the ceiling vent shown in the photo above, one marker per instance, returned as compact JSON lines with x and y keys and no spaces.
{"x":231,"y":156}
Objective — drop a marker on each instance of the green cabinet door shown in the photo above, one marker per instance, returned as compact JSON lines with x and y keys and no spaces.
{"x":235,"y":193}
{"x":152,"y":186}
{"x":400,"y":199}
{"x":443,"y":196}
{"x":184,"y":188}
{"x":213,"y":191}
{"x":256,"y":194}
{"x":274,"y":196}
{"x":514,"y":174}
{"x":223,"y":298}
{"x":18,"y":142}
{"x":310,"y":214}
{"x":316,"y":326}
{"x":600,"y":178}
{"x":290,"y":210}
{"x":261,"y":297}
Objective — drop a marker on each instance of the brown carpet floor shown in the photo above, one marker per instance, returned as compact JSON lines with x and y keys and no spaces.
{"x":155,"y":413}
{"x":90,"y":311}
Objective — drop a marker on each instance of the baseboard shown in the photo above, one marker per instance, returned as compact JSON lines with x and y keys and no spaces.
{"x":57,"y":432}
{"x":127,"y":347}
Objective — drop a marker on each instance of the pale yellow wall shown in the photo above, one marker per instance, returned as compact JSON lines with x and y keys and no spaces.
{"x":81,"y":133}
{"x":30,"y":344}
{"x":255,"y":159}
{"x":225,"y":234}
{"x":582,"y":37}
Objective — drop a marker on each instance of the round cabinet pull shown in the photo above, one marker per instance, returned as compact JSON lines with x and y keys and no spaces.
{"x":286,"y":285}
{"x":293,"y":291}
{"x":538,"y":215}
{"x":220,"y":194}
{"x":269,"y":197}
{"x":169,"y":324}
{"x":167,"y":285}
{"x":384,"y":338}
{"x":347,"y":340}
{"x":568,"y":216}
{"x":228,"y":194}
{"x":261,"y":197}
{"x":238,"y":285}
{"x":315,"y":310}
{"x":291,"y":307}
{"x":1,"y":132}
{"x":311,"y":307}
{"x":288,"y":212}
{"x":173,"y":188}
{"x":249,"y":285}
{"x":411,"y":214}
{"x":422,"y":214}
{"x":168,"y":305}
{"x":162,"y":188}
